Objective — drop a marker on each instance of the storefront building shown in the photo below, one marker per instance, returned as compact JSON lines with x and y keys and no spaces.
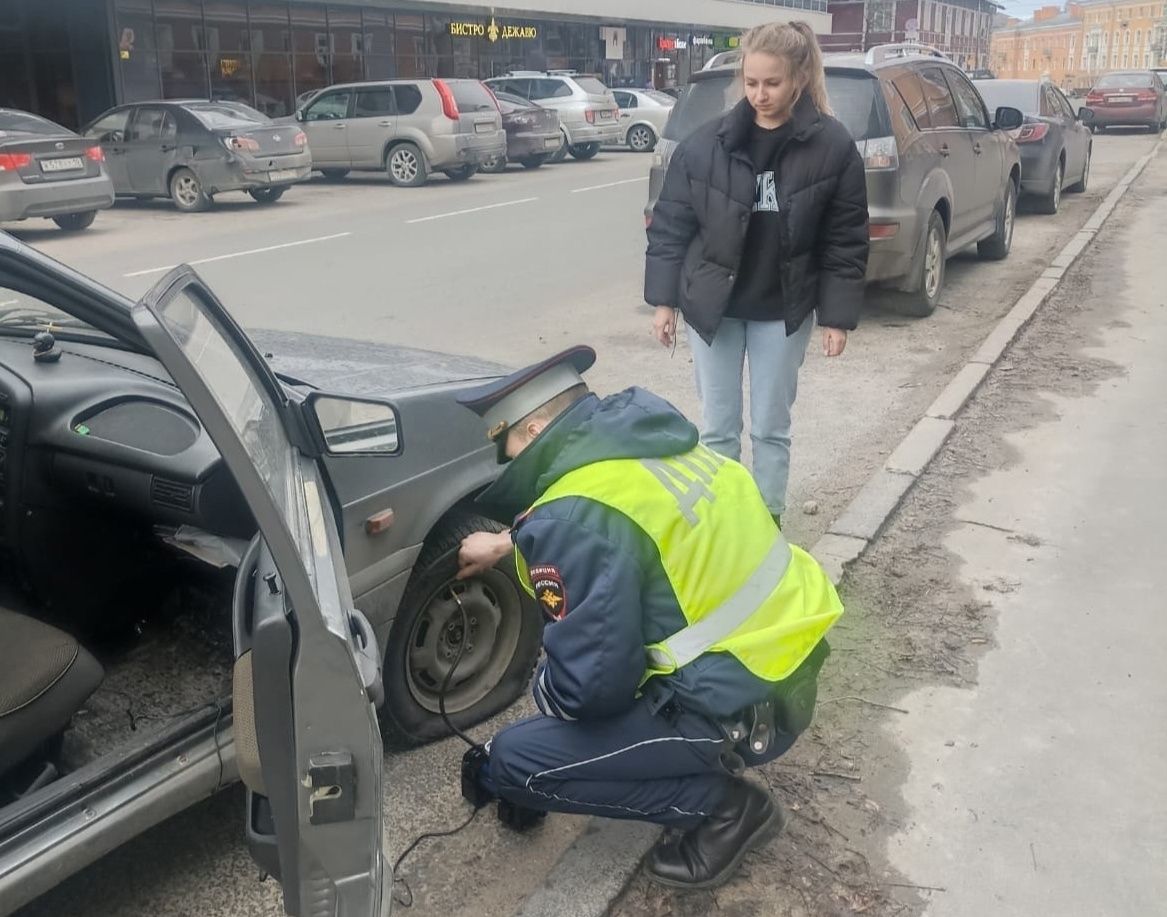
{"x":71,"y":59}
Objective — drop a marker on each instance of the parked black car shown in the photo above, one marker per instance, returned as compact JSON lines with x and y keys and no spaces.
{"x":1055,"y":142}
{"x":533,"y":134}
{"x":190,"y":151}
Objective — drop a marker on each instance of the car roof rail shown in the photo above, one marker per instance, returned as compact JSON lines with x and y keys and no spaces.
{"x":881,"y":53}
{"x":724,"y":59}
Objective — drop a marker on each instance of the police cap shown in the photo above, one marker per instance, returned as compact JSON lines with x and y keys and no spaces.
{"x":504,"y":402}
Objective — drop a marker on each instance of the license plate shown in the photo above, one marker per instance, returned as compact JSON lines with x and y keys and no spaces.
{"x":1121,"y":99}
{"x":281,"y":175}
{"x":551,"y":143}
{"x":483,"y":127}
{"x":61,"y":165}
{"x":606,"y":115}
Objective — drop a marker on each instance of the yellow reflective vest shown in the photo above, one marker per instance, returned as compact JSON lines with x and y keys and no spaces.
{"x":742,"y":588}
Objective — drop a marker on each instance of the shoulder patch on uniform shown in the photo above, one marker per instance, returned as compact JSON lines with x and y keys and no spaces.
{"x":549,"y":590}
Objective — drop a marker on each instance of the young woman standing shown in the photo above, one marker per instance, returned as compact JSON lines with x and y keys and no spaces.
{"x":762,"y":220}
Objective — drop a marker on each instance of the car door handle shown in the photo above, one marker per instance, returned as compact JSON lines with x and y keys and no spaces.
{"x":384,"y":124}
{"x":338,"y":127}
{"x":944,"y":151}
{"x":977,"y":149}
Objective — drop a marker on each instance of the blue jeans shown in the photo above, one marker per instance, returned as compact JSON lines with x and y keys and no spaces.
{"x":775,"y":360}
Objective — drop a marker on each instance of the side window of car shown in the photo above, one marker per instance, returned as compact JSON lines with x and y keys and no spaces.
{"x":941,"y":105}
{"x":911,"y":90}
{"x":969,"y":104}
{"x":169,"y":126}
{"x":147,"y":125}
{"x":550,"y":89}
{"x":625,"y":99}
{"x":111,"y":128}
{"x":372,"y":103}
{"x":330,"y":107}
{"x":407,"y":97}
{"x":1046,"y":109}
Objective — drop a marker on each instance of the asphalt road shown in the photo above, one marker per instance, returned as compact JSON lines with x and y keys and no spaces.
{"x":509,"y":268}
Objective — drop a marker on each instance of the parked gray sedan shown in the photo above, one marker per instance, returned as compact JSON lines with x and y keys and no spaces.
{"x":191,"y":151}
{"x":48,"y":171}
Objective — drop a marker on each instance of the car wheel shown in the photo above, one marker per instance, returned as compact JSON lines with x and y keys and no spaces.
{"x":187,"y":192}
{"x":997,"y":246}
{"x":1081,"y":186}
{"x":72,"y":222}
{"x":334,"y":174}
{"x":494,"y":166}
{"x":406,"y":166}
{"x":1052,"y":199}
{"x":501,"y":645}
{"x":533,"y":162}
{"x":642,"y":139}
{"x":585,"y":151}
{"x":462,"y":173}
{"x":266,"y":195}
{"x":929,"y":284}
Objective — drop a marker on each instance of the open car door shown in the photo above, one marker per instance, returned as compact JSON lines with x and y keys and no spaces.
{"x":306,"y":673}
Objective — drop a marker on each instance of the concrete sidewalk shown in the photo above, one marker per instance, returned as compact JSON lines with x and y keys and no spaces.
{"x":1040,"y":790}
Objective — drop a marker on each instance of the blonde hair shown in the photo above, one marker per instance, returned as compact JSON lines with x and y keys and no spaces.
{"x":795,"y":43}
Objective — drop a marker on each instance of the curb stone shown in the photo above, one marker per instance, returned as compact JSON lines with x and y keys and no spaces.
{"x":598,"y":865}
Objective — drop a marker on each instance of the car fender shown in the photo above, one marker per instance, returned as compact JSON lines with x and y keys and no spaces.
{"x":410,"y":135}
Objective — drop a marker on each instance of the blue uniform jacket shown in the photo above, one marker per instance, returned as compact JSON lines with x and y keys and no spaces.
{"x":600,"y":577}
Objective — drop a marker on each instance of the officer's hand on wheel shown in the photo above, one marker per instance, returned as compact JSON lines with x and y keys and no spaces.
{"x":834,"y":342}
{"x":664,"y":325}
{"x":481,"y":551}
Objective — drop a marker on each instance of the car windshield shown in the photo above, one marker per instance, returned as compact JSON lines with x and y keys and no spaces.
{"x":219,"y":116}
{"x":591,"y":85}
{"x":1125,"y":81}
{"x":24,"y":123}
{"x":19,"y":310}
{"x":1014,"y":95}
{"x":701,"y":102}
{"x":471,"y":95}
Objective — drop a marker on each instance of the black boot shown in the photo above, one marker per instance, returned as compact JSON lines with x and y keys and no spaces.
{"x":707,"y":855}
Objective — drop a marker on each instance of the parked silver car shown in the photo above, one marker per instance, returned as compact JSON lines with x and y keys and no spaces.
{"x":588,"y":114}
{"x":409,"y":128}
{"x":643,"y":114}
{"x":48,"y":171}
{"x":191,"y":151}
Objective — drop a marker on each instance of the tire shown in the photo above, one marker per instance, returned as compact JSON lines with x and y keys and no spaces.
{"x":584,"y":151}
{"x":929,"y":282}
{"x":186,"y":191}
{"x":75,"y":222}
{"x":334,"y":174}
{"x":533,"y":162}
{"x":427,"y":632}
{"x":266,"y":195}
{"x":496,"y":165}
{"x":1051,"y":201}
{"x":406,"y":166}
{"x":641,"y":139}
{"x":1081,"y":186}
{"x":997,"y":246}
{"x":561,"y":154}
{"x":462,"y":173}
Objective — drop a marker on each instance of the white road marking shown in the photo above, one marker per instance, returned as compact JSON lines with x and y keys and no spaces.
{"x":250,"y":251}
{"x":611,"y":184}
{"x":458,"y":213}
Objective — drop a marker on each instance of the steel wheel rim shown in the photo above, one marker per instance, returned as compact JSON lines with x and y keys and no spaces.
{"x":186,"y":189}
{"x":932,"y":264}
{"x":641,"y":139}
{"x":495,"y":617}
{"x":404,"y":165}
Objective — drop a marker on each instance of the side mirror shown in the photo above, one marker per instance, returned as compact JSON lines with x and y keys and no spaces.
{"x":300,"y":115}
{"x":352,"y":426}
{"x":1086,"y":115}
{"x":1008,"y":119}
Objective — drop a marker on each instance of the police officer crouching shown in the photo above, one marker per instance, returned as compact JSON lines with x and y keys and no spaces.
{"x":685,"y":634}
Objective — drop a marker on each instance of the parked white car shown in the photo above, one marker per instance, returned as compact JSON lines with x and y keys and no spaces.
{"x":643,"y":113}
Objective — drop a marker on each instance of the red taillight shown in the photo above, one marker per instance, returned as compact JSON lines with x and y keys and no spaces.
{"x":1032,"y":133}
{"x":449,"y":104}
{"x":95,"y":153}
{"x":1094,"y":98}
{"x":883,"y":230}
{"x":1147,"y":95}
{"x":590,"y":114}
{"x":10,"y":162}
{"x":301,"y":139}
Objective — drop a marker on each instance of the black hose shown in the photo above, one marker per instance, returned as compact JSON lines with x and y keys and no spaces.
{"x":450,"y":675}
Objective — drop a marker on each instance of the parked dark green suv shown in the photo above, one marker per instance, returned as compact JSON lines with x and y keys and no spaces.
{"x":942,"y":171}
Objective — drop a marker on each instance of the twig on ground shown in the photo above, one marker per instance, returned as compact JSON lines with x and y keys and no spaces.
{"x":923,"y":888}
{"x":863,"y":700}
{"x":837,"y":776}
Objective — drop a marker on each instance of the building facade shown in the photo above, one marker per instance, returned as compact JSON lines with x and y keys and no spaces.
{"x":962,"y":29}
{"x":72,"y":59}
{"x":1074,"y":46}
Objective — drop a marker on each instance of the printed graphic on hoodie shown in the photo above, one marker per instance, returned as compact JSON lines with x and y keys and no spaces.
{"x":766,"y":200}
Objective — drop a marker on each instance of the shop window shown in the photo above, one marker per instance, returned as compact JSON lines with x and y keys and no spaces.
{"x":347,"y":44}
{"x":377,"y":44}
{"x":136,"y":50}
{"x":228,"y":51}
{"x":410,"y":45}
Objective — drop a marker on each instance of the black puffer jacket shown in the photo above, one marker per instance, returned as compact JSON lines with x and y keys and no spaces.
{"x":699,"y":223}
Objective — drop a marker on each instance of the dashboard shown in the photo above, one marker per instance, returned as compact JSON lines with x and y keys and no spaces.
{"x":101,"y":430}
